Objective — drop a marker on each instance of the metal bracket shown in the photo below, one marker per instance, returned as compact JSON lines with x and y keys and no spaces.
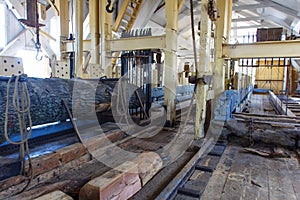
{"x":205,"y":79}
{"x":61,"y":70}
{"x":11,"y":66}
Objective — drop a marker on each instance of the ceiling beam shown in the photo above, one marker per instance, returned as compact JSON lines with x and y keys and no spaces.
{"x":246,"y":19}
{"x":248,"y":7}
{"x":281,"y":8}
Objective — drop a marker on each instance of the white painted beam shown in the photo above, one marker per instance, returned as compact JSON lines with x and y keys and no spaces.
{"x":281,"y":8}
{"x":289,"y":48}
{"x":248,"y":7}
{"x":246,"y":19}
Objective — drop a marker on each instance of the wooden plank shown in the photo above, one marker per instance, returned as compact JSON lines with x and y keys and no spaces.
{"x":294,"y":174}
{"x":257,"y":184}
{"x":55,"y":195}
{"x":280,"y":183}
{"x":214,"y":188}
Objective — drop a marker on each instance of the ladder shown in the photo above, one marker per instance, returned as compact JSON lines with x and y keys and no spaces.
{"x":125,"y":20}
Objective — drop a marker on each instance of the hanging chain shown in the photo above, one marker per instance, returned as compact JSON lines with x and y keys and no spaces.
{"x":37,"y":44}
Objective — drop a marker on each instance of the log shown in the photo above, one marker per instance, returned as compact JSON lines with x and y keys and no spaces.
{"x":266,"y":118}
{"x":46,"y":100}
{"x":266,"y":115}
{"x":278,"y":135}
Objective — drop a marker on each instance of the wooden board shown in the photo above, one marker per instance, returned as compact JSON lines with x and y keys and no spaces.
{"x":246,"y":176}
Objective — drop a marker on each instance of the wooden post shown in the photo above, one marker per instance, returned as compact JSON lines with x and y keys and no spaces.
{"x":171,"y":60}
{"x":79,"y":12}
{"x":94,"y":11}
{"x":203,"y":69}
{"x":64,"y":27}
{"x":223,"y":26}
{"x":106,"y":31}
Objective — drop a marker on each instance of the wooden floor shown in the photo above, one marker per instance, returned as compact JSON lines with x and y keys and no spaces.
{"x":246,"y":176}
{"x":241,"y":175}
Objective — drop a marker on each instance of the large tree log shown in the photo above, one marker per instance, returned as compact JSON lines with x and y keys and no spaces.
{"x":265,"y":132}
{"x":82,"y":96}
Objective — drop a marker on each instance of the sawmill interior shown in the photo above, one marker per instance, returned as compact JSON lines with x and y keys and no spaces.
{"x":150,"y":99}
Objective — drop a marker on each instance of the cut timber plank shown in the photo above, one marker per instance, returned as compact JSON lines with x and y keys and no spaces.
{"x":56,"y":195}
{"x":120,"y":183}
{"x":148,"y":165}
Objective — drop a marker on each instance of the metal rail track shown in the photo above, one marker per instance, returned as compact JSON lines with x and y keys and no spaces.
{"x":40,"y":140}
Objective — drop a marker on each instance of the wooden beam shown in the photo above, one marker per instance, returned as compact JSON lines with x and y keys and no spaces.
{"x":280,"y":49}
{"x":137,"y":43}
{"x":248,"y":7}
{"x":52,"y":4}
{"x":171,"y":60}
{"x":120,"y":15}
{"x":180,"y":5}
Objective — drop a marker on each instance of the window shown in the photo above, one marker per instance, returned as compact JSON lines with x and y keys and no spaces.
{"x":2,"y":24}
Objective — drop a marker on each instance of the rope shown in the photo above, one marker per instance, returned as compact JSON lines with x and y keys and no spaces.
{"x":21,"y":110}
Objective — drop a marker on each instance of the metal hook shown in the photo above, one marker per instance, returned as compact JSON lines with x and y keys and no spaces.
{"x":108,"y":7}
{"x":37,"y":55}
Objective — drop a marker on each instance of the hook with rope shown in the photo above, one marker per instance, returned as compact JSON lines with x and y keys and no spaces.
{"x":108,"y":9}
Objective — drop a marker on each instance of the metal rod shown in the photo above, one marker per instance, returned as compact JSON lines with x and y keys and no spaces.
{"x":72,"y":121}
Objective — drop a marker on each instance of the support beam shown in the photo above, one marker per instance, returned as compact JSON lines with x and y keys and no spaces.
{"x":288,"y":49}
{"x":105,"y":33}
{"x":248,"y":7}
{"x":203,"y":68}
{"x":247,"y":19}
{"x":171,"y":60}
{"x":52,"y":4}
{"x":137,"y":43}
{"x":180,"y":5}
{"x":223,"y":26}
{"x":94,"y":30}
{"x":79,"y":12}
{"x":16,"y":7}
{"x":63,"y":6}
{"x":281,"y":8}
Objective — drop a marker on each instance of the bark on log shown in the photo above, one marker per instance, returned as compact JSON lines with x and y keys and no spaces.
{"x":46,"y":100}
{"x":278,"y":135}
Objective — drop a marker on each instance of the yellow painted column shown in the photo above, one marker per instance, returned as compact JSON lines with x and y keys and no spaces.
{"x":170,"y":77}
{"x":223,"y":26}
{"x":94,"y":11}
{"x":79,"y":15}
{"x":203,"y":69}
{"x":63,"y":7}
{"x":105,"y":34}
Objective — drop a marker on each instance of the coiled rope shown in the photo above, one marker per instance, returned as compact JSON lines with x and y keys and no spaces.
{"x":21,"y":111}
